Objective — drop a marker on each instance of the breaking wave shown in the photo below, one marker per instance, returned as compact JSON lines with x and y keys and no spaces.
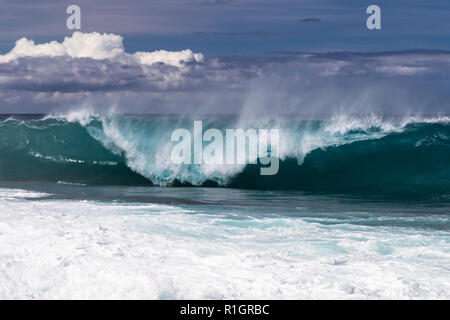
{"x":371,"y":154}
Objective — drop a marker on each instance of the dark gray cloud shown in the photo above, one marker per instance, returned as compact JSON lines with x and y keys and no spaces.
{"x":83,"y":71}
{"x":310,"y":20}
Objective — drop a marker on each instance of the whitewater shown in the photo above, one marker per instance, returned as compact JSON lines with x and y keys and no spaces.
{"x":123,"y":243}
{"x":91,"y":208}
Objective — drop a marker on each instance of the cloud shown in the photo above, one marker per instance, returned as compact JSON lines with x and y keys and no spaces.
{"x":402,"y":70}
{"x":177,"y":59}
{"x":95,"y":69}
{"x":92,"y":62}
{"x":98,"y":47}
{"x":310,"y":20}
{"x":216,"y":2}
{"x":80,"y":45}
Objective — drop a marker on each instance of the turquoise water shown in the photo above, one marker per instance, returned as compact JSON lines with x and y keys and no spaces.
{"x":403,"y":157}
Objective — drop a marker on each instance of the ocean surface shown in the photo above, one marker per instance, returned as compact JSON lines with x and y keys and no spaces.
{"x":92,"y":207}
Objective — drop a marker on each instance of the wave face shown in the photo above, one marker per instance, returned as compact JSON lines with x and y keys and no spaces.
{"x":343,"y":155}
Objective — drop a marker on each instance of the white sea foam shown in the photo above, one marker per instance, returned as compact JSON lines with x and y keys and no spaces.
{"x":63,"y":249}
{"x":19,"y":194}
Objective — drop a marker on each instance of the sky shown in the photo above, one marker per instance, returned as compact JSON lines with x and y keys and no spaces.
{"x":225,"y":55}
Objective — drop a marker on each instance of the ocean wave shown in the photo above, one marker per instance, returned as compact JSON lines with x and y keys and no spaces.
{"x":343,"y":154}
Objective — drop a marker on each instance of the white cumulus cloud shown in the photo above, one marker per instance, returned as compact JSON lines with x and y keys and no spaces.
{"x":177,"y":58}
{"x":97,"y":46}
